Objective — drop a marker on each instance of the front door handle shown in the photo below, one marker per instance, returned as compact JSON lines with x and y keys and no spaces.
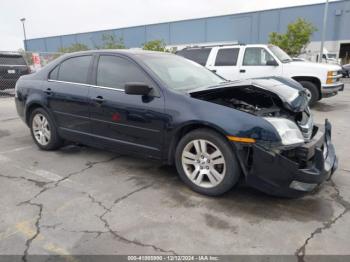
{"x":48,"y":91}
{"x":99,"y":99}
{"x":242,"y":71}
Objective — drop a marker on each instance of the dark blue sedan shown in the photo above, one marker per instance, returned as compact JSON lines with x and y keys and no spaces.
{"x":165,"y":107}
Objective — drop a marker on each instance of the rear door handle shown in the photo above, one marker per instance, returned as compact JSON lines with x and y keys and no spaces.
{"x":48,"y":91}
{"x":99,"y":99}
{"x":242,"y":71}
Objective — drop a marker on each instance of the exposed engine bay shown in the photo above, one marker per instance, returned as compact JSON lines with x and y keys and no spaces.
{"x":249,"y":99}
{"x":259,"y":102}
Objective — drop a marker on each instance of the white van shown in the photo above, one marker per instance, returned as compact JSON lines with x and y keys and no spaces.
{"x":235,"y":62}
{"x":313,"y":56}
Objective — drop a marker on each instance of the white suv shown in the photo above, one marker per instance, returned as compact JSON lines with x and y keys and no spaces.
{"x":235,"y":62}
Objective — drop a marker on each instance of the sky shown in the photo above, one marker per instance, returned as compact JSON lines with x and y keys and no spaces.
{"x":57,"y":17}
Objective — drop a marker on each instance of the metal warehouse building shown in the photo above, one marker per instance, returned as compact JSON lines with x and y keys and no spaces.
{"x":252,"y":27}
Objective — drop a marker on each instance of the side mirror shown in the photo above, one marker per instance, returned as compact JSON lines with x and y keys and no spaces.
{"x":271,"y":63}
{"x":141,"y":89}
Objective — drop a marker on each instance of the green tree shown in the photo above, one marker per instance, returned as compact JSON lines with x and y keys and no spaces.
{"x":295,"y":39}
{"x":109,"y":41}
{"x":73,"y":48}
{"x":155,"y":45}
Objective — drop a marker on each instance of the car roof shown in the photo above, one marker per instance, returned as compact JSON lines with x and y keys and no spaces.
{"x":131,"y":53}
{"x":127,"y":52}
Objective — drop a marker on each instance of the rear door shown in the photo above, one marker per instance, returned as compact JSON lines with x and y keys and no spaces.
{"x":127,"y":123}
{"x":256,"y":62}
{"x":67,"y":92}
{"x":224,"y":62}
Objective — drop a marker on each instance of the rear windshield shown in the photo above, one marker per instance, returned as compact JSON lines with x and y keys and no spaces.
{"x":199,"y":55}
{"x":11,"y":60}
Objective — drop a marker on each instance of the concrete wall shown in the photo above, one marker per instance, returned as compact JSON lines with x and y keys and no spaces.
{"x":253,"y":27}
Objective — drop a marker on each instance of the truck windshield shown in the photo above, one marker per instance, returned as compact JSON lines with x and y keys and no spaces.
{"x":181,"y":74}
{"x":280,"y":54}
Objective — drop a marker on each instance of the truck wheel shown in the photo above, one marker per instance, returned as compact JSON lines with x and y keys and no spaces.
{"x":206,"y":162}
{"x":315,"y":95}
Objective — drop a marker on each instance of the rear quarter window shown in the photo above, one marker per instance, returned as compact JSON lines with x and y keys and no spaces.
{"x":75,"y":69}
{"x":12,"y":60}
{"x":54,"y":73}
{"x":199,"y":55}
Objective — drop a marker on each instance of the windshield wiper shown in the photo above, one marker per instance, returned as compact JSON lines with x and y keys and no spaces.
{"x":287,"y":60}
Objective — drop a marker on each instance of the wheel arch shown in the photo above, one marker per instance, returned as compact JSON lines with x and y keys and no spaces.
{"x":311,"y":79}
{"x":31,"y":107}
{"x":185,"y":129}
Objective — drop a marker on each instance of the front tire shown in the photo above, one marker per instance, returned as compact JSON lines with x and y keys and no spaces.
{"x":315,"y":95}
{"x":43,"y":130}
{"x":206,"y":162}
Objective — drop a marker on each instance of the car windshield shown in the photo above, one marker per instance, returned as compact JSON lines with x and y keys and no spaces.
{"x":181,"y":74}
{"x":280,"y":54}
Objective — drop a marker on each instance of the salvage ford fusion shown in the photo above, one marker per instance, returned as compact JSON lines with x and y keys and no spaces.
{"x":165,"y":107}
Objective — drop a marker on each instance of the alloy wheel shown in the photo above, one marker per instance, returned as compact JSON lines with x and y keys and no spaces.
{"x":203,"y":162}
{"x":41,"y":129}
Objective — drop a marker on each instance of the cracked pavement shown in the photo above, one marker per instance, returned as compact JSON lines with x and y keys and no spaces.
{"x":81,"y":201}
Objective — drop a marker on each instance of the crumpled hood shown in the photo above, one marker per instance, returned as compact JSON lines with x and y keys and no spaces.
{"x":291,"y":93}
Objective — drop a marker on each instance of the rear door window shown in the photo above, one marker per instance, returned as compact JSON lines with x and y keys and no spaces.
{"x":198,"y":55}
{"x":75,"y":69}
{"x":12,"y":60}
{"x":227,"y":57}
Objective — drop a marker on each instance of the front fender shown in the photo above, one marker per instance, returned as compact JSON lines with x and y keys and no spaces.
{"x":194,"y":113}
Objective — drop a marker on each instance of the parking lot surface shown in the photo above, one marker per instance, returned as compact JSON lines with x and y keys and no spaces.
{"x":81,"y":200}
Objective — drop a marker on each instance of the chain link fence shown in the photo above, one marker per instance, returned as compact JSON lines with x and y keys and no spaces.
{"x":15,"y":64}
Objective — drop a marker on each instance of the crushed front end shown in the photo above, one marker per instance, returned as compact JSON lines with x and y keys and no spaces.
{"x":292,"y":172}
{"x":301,"y":158}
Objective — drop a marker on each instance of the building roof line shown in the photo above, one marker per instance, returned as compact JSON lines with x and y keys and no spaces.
{"x":184,"y":20}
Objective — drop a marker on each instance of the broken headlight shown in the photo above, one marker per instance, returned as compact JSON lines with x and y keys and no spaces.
{"x":288,"y":131}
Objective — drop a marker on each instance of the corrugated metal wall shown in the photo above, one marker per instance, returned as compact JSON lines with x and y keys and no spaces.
{"x":253,"y":27}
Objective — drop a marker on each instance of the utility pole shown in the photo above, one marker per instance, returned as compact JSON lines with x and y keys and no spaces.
{"x":324,"y":29}
{"x":24,"y":33}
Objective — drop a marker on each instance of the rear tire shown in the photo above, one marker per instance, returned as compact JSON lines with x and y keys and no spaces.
{"x":315,"y":95}
{"x":206,"y":162}
{"x":43,"y":130}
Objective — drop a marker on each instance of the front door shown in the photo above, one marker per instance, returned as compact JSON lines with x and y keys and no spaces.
{"x":126,"y":122}
{"x":258,"y":62}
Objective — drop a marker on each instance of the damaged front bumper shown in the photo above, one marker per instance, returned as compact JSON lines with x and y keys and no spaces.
{"x":292,"y":172}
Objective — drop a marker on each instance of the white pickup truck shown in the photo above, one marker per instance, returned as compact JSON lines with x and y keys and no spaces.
{"x":235,"y":62}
